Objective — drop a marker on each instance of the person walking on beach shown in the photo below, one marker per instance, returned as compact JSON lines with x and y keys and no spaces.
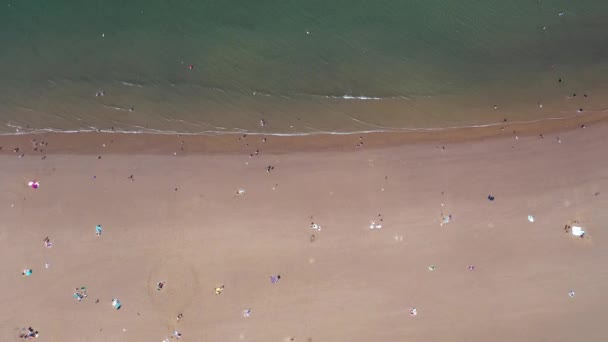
{"x":98,"y":230}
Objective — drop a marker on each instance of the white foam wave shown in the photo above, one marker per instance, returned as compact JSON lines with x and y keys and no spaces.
{"x":350,"y":97}
{"x":224,"y":131}
{"x":129,"y":84}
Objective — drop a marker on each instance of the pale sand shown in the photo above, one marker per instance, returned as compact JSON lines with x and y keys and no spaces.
{"x":351,"y":283}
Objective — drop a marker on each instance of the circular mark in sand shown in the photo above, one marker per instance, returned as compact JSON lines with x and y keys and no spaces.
{"x":182,"y":284}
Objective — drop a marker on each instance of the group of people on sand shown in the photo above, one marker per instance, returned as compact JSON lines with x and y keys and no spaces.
{"x":80,"y":293}
{"x":28,"y":333}
{"x":577,"y":232}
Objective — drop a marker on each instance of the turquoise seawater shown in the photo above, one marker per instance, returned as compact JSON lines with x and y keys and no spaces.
{"x":302,"y":66}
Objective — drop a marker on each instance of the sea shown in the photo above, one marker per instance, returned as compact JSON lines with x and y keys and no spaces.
{"x":296,"y":67}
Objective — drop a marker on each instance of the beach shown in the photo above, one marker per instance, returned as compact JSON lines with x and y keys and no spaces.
{"x":303,"y":171}
{"x":231,"y":211}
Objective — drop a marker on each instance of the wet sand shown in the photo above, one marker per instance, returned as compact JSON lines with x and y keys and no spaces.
{"x":104,"y":142}
{"x":179,"y":220}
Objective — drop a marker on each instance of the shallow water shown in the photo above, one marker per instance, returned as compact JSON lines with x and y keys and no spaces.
{"x":302,"y":66}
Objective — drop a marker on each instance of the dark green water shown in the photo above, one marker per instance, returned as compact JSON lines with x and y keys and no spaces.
{"x":405,"y":63}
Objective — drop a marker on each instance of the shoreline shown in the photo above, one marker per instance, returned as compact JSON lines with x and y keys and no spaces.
{"x":178,"y":143}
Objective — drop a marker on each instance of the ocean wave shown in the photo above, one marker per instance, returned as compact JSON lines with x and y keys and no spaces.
{"x":238,"y":131}
{"x":350,"y":97}
{"x":328,"y":96}
{"x":129,"y":84}
{"x":248,"y":91}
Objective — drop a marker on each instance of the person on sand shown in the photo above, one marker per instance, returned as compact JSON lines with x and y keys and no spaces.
{"x":98,"y":230}
{"x":219,"y":290}
{"x":160,"y":285}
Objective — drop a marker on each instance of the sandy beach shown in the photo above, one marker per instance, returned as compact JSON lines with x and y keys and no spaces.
{"x":171,"y":211}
